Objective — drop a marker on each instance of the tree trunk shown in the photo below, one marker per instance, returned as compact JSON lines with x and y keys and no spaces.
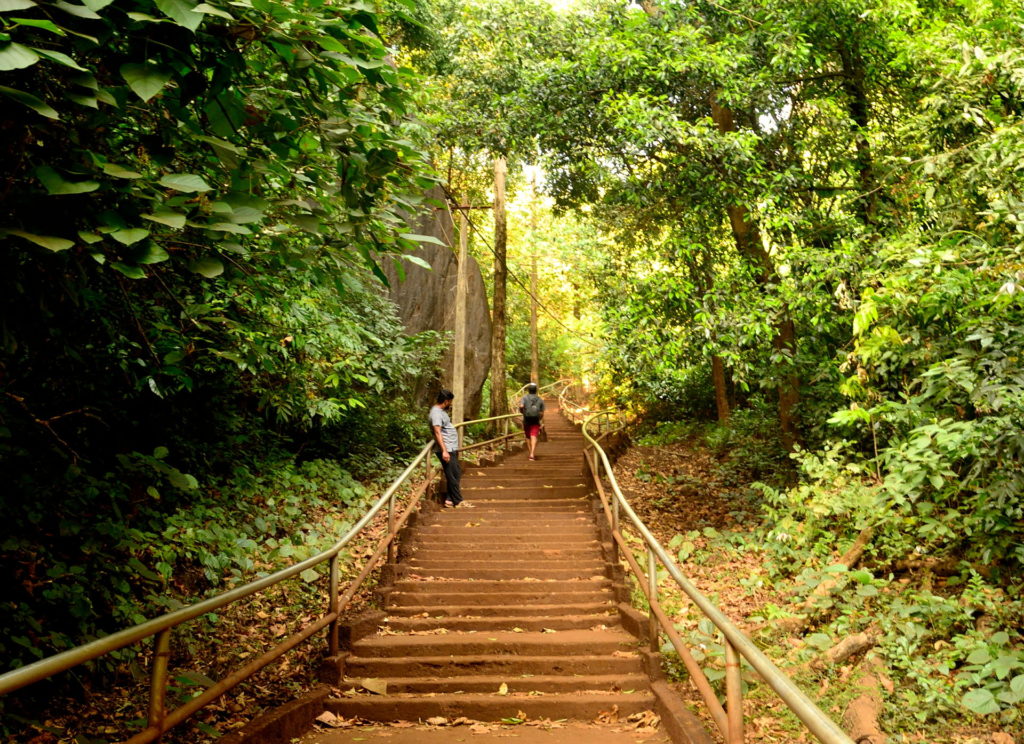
{"x":749,"y":246}
{"x":499,"y":402}
{"x":721,"y":390}
{"x":859,"y":108}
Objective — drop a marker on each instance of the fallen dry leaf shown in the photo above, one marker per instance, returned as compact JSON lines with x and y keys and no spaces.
{"x":330,"y":719}
{"x":376,"y":686}
{"x":503,"y":688}
{"x":437,"y":721}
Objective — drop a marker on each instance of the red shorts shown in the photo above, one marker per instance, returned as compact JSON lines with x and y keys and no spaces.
{"x":531,"y":430}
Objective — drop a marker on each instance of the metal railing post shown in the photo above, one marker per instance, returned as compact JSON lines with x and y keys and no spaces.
{"x":158,"y":681}
{"x":332,"y":605}
{"x":733,"y":695}
{"x":504,"y":433}
{"x":652,"y":586}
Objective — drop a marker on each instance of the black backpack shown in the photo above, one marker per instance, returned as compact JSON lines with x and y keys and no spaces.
{"x":531,"y":406}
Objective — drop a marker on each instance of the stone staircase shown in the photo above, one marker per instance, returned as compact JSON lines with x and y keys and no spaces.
{"x":508,"y":607}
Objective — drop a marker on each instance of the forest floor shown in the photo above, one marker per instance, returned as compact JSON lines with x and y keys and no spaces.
{"x":698,"y":501}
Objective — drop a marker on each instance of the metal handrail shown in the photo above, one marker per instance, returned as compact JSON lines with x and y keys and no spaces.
{"x":729,"y":718}
{"x":160,"y":719}
{"x":513,"y":397}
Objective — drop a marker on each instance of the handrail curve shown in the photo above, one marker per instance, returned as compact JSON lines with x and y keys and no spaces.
{"x":514,"y":397}
{"x":729,"y":719}
{"x":160,"y":720}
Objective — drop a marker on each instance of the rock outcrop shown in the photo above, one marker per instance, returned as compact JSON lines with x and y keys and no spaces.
{"x":426,"y":301}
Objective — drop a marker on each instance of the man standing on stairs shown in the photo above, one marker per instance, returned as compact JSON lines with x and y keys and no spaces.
{"x":447,"y":448}
{"x":532,"y":408}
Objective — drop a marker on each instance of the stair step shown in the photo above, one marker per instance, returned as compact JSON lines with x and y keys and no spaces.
{"x":485,"y":573}
{"x":502,"y":587}
{"x":445,"y":541}
{"x":473,"y":599}
{"x":526,"y":482}
{"x":525,"y":506}
{"x":596,"y":609}
{"x":477,"y":494}
{"x":515,"y":519}
{"x":502,"y":622}
{"x":558,"y":643}
{"x":592,"y":564}
{"x":425,"y":554}
{"x":612,"y":683}
{"x":507,"y":665}
{"x":535,"y":531}
{"x":481,"y":707}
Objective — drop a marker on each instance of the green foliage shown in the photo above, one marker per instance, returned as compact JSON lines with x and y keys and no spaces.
{"x":163,"y":543}
{"x":196,"y":199}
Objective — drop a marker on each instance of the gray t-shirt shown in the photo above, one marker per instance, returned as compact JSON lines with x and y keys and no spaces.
{"x":450,"y":437}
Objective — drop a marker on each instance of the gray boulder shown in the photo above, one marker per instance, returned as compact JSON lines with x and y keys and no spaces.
{"x":426,"y":301}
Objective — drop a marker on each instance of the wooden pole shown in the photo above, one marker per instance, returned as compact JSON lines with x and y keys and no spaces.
{"x":459,"y":359}
{"x":499,"y":404}
{"x":534,"y":352}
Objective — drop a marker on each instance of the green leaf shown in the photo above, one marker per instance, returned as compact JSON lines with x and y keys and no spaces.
{"x":144,"y":79}
{"x":1017,"y":684}
{"x":152,"y":254}
{"x":83,"y":100}
{"x":186,"y":182}
{"x":89,"y":237}
{"x":208,"y":267}
{"x":160,"y":453}
{"x":979,"y":656}
{"x":861,"y":576}
{"x":6,"y":6}
{"x":207,"y":8}
{"x":59,"y":57}
{"x":97,"y":5}
{"x":309,"y":575}
{"x":422,"y":238}
{"x":166,"y":217}
{"x":119,"y":171}
{"x":79,"y":11}
{"x":219,"y":143}
{"x":50,"y":26}
{"x":27,"y":99}
{"x":132,"y":272}
{"x":980,"y":701}
{"x":820,"y":641}
{"x":145,"y":17}
{"x":14,"y":56}
{"x":181,"y":12}
{"x":56,"y":185}
{"x":46,"y":241}
{"x":129,"y":236}
{"x":417,"y":261}
{"x":181,"y":480}
{"x":243,"y":215}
